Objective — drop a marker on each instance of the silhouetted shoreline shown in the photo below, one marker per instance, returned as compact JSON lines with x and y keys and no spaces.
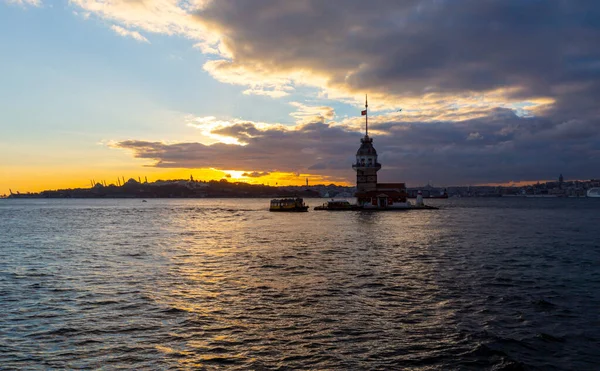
{"x":176,"y":189}
{"x":226,"y":189}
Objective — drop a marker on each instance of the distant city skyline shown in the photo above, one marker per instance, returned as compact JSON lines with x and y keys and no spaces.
{"x":463,"y":92}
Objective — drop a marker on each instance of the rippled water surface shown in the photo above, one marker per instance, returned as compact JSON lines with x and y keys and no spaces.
{"x":188,"y":284}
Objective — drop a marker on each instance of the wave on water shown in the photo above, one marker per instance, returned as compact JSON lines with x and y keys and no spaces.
{"x":205,"y":284}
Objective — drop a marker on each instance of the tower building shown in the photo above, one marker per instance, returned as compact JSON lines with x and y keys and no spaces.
{"x":369,"y":193}
{"x":366,"y":165}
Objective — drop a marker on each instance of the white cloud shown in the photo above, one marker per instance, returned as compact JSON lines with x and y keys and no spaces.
{"x":305,"y":113}
{"x":128,"y":33}
{"x":474,"y":136}
{"x":260,"y":80}
{"x":25,"y":2}
{"x":274,"y":93}
{"x":170,"y":17}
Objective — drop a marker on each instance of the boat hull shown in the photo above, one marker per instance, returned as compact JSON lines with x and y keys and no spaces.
{"x":338,"y":205}
{"x":291,"y":210}
{"x":369,"y":207}
{"x":325,"y":208}
{"x":385,"y":209}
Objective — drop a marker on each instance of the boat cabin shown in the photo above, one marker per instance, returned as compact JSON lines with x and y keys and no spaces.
{"x":288,"y":204}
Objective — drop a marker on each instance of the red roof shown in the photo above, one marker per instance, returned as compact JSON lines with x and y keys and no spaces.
{"x":377,"y":193}
{"x":391,"y":186}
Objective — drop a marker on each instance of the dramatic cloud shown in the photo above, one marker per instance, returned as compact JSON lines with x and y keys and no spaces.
{"x":234,"y":131}
{"x":127,"y":33}
{"x":267,"y":148}
{"x":490,"y":90}
{"x":410,"y":48}
{"x":525,"y":53}
{"x":497,"y":148}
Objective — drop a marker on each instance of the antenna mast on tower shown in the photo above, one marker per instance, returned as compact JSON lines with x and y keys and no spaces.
{"x":366,"y":117}
{"x":365,"y":113}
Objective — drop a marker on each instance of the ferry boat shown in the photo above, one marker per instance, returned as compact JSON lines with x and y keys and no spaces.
{"x":288,"y":204}
{"x":338,"y":205}
{"x":594,"y":192}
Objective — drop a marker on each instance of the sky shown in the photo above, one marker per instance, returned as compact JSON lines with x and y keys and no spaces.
{"x":461,"y":92}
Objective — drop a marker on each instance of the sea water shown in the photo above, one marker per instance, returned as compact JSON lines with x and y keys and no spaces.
{"x":223,"y":283}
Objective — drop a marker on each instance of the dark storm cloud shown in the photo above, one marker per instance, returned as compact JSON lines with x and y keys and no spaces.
{"x":242,"y":131}
{"x":409,"y":46}
{"x":527,"y":48}
{"x":497,"y":148}
{"x":256,"y":174}
{"x":488,"y":150}
{"x":268,"y":150}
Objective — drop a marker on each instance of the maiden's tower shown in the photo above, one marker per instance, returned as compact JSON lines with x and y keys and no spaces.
{"x":369,"y":193}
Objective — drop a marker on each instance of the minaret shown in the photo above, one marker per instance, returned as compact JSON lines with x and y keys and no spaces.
{"x":366,"y":164}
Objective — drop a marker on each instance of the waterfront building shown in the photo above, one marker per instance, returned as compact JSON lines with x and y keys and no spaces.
{"x":370,"y":193}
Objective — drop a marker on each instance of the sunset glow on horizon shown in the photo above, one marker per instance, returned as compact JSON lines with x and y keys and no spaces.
{"x":45,"y":180}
